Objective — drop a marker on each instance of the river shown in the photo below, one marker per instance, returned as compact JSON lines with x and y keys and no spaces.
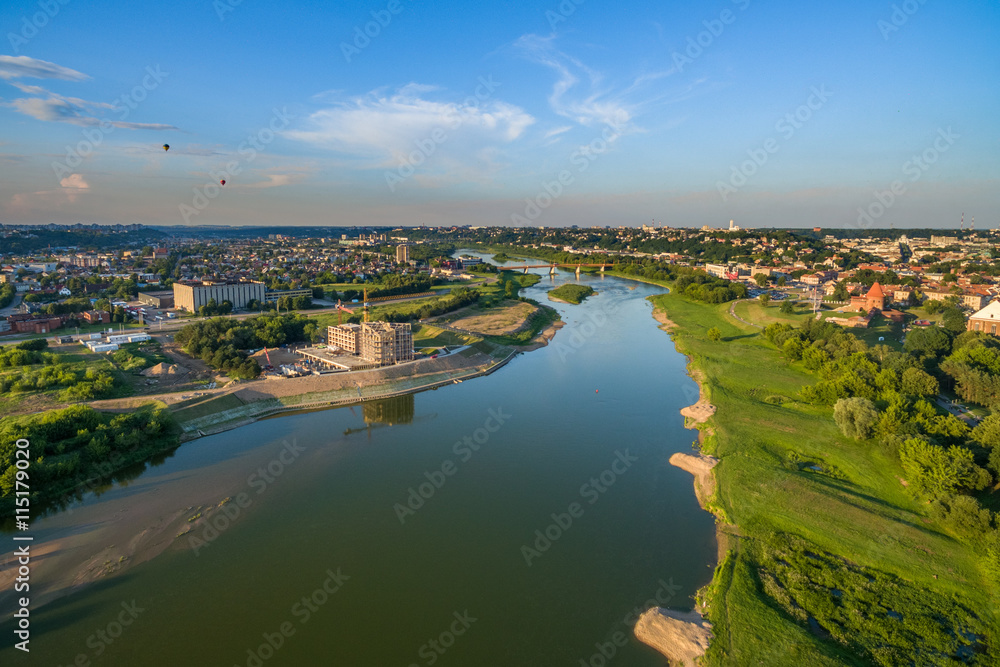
{"x":513,"y":519}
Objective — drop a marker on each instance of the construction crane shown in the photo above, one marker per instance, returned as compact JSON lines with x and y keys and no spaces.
{"x":341,"y":309}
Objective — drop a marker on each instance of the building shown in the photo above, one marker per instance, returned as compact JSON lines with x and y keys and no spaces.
{"x":382,"y":343}
{"x":272,"y":296}
{"x":38,"y":324}
{"x":347,"y":337}
{"x":160,"y":253}
{"x":386,"y":343}
{"x":97,"y":316}
{"x":402,"y":254}
{"x":192,"y":296}
{"x":985,"y":319}
{"x":874,"y":299}
{"x":157,"y":299}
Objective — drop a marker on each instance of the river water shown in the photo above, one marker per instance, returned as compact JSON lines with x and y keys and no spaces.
{"x":514,"y":519}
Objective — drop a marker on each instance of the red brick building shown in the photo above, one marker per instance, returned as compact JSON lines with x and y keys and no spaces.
{"x":97,"y":316}
{"x":39,"y":324}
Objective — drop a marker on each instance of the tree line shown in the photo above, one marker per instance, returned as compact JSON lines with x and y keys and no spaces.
{"x":223,"y":343}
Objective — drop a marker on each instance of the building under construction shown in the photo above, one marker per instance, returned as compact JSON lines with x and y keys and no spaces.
{"x":381,"y":343}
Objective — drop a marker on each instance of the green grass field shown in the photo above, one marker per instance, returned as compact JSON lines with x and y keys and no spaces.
{"x":855,"y":509}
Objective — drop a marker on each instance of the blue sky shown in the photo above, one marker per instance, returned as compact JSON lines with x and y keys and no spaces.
{"x":544,"y":113}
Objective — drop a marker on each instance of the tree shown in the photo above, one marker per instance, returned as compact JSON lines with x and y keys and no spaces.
{"x":761,"y":279}
{"x":939,"y":472}
{"x":840,"y":292}
{"x":782,"y":281}
{"x":786,"y":307}
{"x":714,"y":334}
{"x":765,"y":299}
{"x":919,"y":383}
{"x":928,"y":342}
{"x":856,"y":417}
{"x":954,"y":320}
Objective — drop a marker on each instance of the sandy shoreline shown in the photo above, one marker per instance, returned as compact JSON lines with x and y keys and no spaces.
{"x":700,"y":466}
{"x":683,"y":637}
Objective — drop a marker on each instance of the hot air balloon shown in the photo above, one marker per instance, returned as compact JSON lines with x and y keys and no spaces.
{"x":166,"y":147}
{"x":222,"y":182}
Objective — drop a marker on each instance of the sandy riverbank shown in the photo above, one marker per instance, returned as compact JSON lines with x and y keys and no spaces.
{"x":701,"y":467}
{"x":682,"y":637}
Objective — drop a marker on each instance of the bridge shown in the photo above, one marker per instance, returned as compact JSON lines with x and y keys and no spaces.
{"x":552,"y":267}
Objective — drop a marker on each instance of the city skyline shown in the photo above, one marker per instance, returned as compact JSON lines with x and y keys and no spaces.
{"x":548,"y":114}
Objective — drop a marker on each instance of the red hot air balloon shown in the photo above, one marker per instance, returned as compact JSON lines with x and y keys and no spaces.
{"x":222,"y":182}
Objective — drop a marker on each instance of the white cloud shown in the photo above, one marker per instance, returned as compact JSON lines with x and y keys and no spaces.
{"x":55,"y":108}
{"x":383,"y":129}
{"x":557,"y":131}
{"x":74,"y":181}
{"x":590,"y":106}
{"x":15,"y":67}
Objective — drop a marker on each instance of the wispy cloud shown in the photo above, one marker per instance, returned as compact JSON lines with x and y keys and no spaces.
{"x":58,"y":109}
{"x":579,"y":92}
{"x":16,"y":67}
{"x":54,"y":108}
{"x":381,"y":129}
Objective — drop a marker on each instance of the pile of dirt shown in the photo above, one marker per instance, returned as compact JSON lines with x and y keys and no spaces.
{"x":164,"y":369}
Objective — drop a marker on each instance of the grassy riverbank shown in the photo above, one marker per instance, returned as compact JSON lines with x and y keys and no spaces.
{"x":830,"y":561}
